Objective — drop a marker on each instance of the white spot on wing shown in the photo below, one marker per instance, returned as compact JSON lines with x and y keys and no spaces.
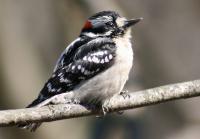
{"x":110,"y":56}
{"x":82,"y":69}
{"x":79,"y":67}
{"x":95,"y":59}
{"x":73,"y":67}
{"x":85,"y":58}
{"x":102,"y":61}
{"x":50,"y":89}
{"x":62,"y":80}
{"x":106,"y":59}
{"x":101,"y":53}
{"x":59,"y":90}
{"x":60,"y":74}
{"x":97,"y":70}
{"x":89,"y":59}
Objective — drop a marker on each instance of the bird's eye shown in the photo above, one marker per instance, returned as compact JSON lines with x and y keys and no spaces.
{"x":109,"y":24}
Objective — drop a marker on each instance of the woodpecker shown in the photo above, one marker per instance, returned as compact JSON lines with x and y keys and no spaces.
{"x":94,"y":67}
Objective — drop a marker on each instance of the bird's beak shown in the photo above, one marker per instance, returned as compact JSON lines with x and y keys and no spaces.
{"x":131,"y":22}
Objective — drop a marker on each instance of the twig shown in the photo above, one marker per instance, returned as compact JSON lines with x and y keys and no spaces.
{"x":116,"y":103}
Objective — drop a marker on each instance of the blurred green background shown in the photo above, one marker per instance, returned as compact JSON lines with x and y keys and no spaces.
{"x":33,"y":33}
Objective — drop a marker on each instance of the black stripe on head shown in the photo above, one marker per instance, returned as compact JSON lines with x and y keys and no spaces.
{"x":105,"y":13}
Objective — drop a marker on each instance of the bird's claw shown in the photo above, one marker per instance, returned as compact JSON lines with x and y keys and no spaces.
{"x":51,"y":108}
{"x":105,"y":110}
{"x":105,"y":107}
{"x":75,"y":101}
{"x":125,"y":94}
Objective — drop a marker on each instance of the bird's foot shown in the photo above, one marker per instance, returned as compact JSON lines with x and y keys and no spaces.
{"x":105,"y":107}
{"x":75,"y":101}
{"x":105,"y":110}
{"x":61,"y":99}
{"x":124,"y":94}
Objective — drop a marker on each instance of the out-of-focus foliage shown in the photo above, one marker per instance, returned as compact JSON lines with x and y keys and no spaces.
{"x":33,"y":34}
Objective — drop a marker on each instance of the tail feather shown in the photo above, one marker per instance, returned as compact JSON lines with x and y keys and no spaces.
{"x":31,"y":126}
{"x":42,"y":101}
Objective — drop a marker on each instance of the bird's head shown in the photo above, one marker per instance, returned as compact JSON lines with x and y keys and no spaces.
{"x":107,"y":24}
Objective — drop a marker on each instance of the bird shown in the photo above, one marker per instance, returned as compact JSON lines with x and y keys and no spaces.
{"x":94,"y":67}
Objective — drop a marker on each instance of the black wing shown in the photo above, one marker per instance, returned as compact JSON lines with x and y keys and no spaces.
{"x":67,"y":55}
{"x":86,"y":61}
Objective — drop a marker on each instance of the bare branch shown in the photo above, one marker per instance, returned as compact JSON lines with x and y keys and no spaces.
{"x":136,"y":99}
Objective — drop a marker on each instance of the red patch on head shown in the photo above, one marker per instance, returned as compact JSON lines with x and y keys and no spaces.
{"x":87,"y":25}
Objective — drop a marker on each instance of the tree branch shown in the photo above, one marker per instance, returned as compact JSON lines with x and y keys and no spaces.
{"x":117,"y":102}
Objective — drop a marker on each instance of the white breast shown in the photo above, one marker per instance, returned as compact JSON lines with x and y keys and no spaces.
{"x":124,"y":57}
{"x":124,"y":50}
{"x":112,"y":80}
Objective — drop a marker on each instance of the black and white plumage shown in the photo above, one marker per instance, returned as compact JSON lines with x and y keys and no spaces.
{"x":77,"y":66}
{"x":92,"y":68}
